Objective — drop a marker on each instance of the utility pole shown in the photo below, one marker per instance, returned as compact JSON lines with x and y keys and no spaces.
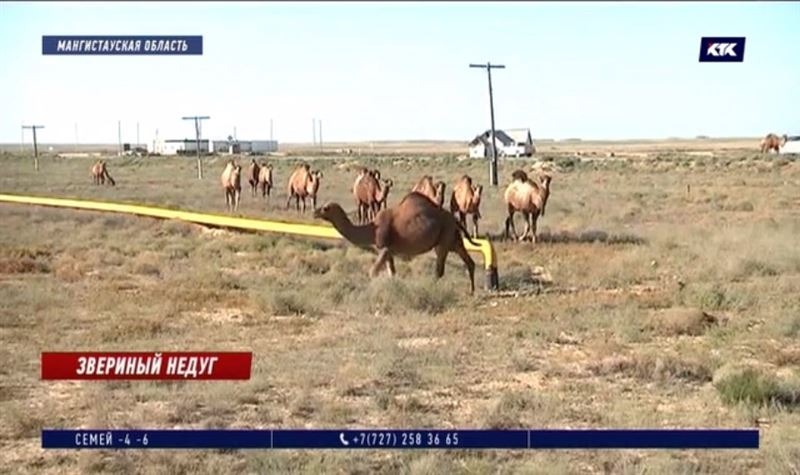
{"x":320,"y":135}
{"x":119,"y":138}
{"x":493,"y":162}
{"x":313,"y":131}
{"x":76,"y":136}
{"x":137,"y":135}
{"x":197,"y":120}
{"x":35,"y":145}
{"x":270,"y":130}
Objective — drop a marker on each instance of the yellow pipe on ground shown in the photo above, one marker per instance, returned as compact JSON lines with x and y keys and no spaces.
{"x":484,"y":246}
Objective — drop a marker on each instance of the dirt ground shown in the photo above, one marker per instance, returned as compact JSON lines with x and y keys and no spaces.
{"x":665,"y":293}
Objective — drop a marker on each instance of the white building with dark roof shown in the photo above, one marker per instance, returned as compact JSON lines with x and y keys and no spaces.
{"x":510,"y":143}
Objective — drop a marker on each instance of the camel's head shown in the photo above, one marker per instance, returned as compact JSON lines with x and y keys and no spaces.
{"x":477,"y":190}
{"x":317,"y":174}
{"x":546,"y":178}
{"x":519,"y":175}
{"x":376,"y":174}
{"x":329,"y":212}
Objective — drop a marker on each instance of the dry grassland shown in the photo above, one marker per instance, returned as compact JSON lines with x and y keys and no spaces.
{"x":665,"y":293}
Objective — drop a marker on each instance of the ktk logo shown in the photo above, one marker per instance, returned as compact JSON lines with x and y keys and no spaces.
{"x":722,"y":50}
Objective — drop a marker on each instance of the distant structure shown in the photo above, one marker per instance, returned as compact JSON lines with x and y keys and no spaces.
{"x":792,"y":145}
{"x":233,"y":146}
{"x":510,"y":143}
{"x":178,"y":147}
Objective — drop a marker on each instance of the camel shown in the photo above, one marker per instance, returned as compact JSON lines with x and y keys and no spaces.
{"x":370,"y":193}
{"x":412,"y":227}
{"x":303,"y":183}
{"x":100,"y":173}
{"x":265,"y":179}
{"x":253,"y":172}
{"x":466,"y":199}
{"x":528,"y":197}
{"x":773,"y":142}
{"x":232,"y":185}
{"x":435,"y":192}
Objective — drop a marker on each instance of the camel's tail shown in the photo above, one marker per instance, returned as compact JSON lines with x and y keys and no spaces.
{"x":113,"y":183}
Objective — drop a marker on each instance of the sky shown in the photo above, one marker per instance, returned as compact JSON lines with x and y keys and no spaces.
{"x":400,"y":71}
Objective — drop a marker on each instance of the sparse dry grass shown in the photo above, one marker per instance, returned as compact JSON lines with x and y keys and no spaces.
{"x":639,"y":293}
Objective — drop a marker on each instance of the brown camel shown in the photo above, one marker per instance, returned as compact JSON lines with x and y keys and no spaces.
{"x":303,"y":183}
{"x":265,"y":179}
{"x":466,"y":199}
{"x":100,"y":173}
{"x":232,"y":185}
{"x":253,"y":172}
{"x":412,"y":227}
{"x":773,"y":142}
{"x":435,"y":192}
{"x":370,"y":193}
{"x":528,"y":197}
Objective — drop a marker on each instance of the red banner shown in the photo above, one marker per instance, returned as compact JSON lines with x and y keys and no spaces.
{"x":177,"y":366}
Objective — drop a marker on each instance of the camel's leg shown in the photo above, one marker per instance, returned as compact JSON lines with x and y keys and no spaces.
{"x":390,"y":265}
{"x":227,"y":200}
{"x":475,"y":225}
{"x":297,"y":203}
{"x":441,"y":258}
{"x":359,"y":212}
{"x":313,"y":202}
{"x":464,"y":255}
{"x":534,"y":218}
{"x":380,"y":263}
{"x":510,"y":223}
{"x":289,"y":199}
{"x":527,"y":217}
{"x":269,"y":189}
{"x":304,"y":205}
{"x":238,"y":199}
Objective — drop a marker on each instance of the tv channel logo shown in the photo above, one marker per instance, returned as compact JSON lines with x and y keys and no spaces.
{"x":728,"y":49}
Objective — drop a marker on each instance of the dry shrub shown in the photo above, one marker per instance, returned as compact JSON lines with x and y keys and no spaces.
{"x":683,"y":321}
{"x":654,"y":367}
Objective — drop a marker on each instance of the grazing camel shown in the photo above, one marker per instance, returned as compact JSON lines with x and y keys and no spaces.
{"x":435,"y":192}
{"x":773,"y":142}
{"x":265,"y":179}
{"x":253,"y":172}
{"x":232,"y":185}
{"x":412,"y":227}
{"x":466,"y":199}
{"x":303,"y":183}
{"x":528,"y":197}
{"x":100,"y":173}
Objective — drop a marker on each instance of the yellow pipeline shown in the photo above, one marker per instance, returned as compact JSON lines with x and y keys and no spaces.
{"x":484,"y":246}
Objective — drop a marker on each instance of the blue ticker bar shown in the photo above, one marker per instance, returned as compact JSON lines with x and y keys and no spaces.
{"x":401,"y":439}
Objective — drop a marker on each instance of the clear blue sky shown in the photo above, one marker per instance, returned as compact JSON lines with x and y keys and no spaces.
{"x":400,"y":71}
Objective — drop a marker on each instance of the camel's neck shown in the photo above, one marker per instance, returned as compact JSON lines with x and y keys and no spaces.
{"x":363,"y":236}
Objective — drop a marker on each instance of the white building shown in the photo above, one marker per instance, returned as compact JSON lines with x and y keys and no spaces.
{"x":792,"y":145}
{"x":244,"y":146}
{"x":177,"y":147}
{"x":510,"y":143}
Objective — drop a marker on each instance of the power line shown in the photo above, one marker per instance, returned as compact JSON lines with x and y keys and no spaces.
{"x":197,"y":120}
{"x":493,"y":162}
{"x":35,"y":146}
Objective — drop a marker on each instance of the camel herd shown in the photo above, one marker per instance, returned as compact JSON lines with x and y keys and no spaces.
{"x":773,"y":142}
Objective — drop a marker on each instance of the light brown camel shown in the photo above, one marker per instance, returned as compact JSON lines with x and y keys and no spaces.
{"x":528,"y":197}
{"x":100,"y":173}
{"x":412,"y":227}
{"x":303,"y":183}
{"x":466,"y":199}
{"x":435,"y":192}
{"x":265,"y":179}
{"x":773,"y":142}
{"x":370,"y":194}
{"x":232,"y":185}
{"x":253,"y":171}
